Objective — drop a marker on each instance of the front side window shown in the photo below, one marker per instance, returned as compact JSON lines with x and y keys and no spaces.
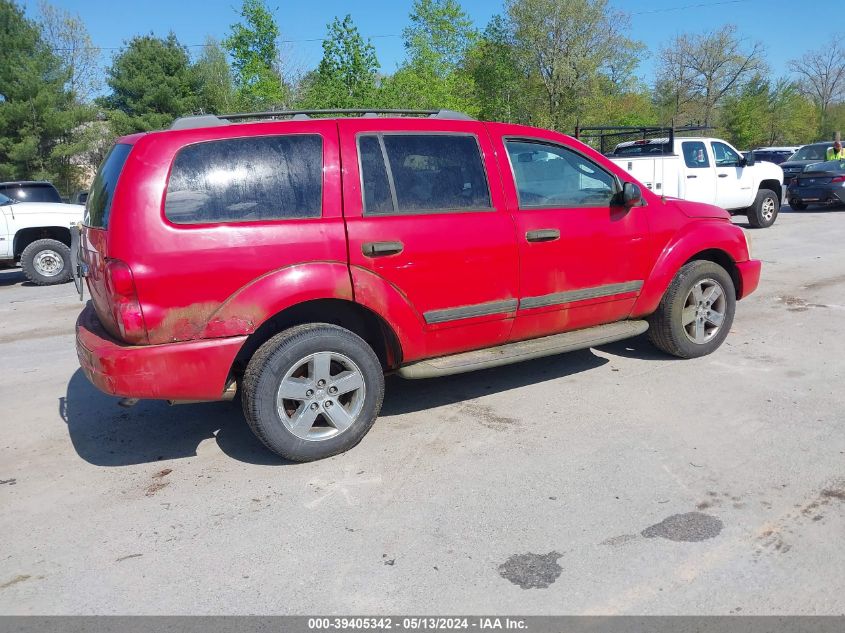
{"x":724,"y":155}
{"x":554,"y":176}
{"x":247,"y":180}
{"x":422,"y":173}
{"x":695,"y":154}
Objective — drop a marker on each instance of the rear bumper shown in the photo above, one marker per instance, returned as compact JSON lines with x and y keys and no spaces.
{"x":817,"y":195}
{"x":749,"y":277}
{"x":194,"y":370}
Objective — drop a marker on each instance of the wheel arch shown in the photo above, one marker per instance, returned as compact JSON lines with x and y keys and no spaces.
{"x":348,"y":314}
{"x":774,"y":186}
{"x":26,"y":236}
{"x":718,"y":242}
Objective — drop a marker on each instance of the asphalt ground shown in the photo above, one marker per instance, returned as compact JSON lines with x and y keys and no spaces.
{"x":608,"y":481}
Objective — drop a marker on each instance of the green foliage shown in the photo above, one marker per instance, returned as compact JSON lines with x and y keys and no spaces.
{"x":213,"y":76}
{"x":433,"y":75}
{"x":255,"y":58}
{"x":764,"y":114}
{"x":347,"y":74}
{"x":151,"y":84}
{"x":575,"y":47}
{"x":39,"y":117}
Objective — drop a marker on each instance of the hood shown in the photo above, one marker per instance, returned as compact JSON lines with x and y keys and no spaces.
{"x":701,"y":209}
{"x":24,"y":208}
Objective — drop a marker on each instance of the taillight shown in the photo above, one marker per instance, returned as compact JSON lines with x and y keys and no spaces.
{"x":838,"y":179}
{"x":125,"y":307}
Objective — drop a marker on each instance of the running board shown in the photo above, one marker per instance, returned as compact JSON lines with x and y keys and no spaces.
{"x":523,"y":350}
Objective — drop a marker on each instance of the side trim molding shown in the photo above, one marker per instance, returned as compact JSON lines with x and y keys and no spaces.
{"x":569,"y":296}
{"x":466,"y":312}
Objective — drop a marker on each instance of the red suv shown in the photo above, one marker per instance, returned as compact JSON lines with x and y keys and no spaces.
{"x":300,"y":260}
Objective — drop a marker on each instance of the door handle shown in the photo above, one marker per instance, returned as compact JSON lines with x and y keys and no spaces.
{"x":691,"y":176}
{"x":542,"y":235}
{"x":723,"y":175}
{"x":380,"y":249}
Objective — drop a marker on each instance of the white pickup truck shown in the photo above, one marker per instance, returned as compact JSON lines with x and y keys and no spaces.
{"x":38,"y":234}
{"x":705,"y":170}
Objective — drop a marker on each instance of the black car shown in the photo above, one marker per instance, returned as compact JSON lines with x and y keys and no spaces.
{"x":819,"y":183}
{"x":776,"y":156}
{"x":30,"y":191}
{"x":813,"y":153}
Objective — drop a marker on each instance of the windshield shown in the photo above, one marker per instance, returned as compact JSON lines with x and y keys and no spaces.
{"x":31,"y":192}
{"x":810,"y":152}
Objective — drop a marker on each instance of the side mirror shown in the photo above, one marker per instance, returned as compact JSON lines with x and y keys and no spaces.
{"x":631,"y":195}
{"x":749,"y":160}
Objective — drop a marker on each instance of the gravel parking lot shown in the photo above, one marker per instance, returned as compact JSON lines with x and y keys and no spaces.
{"x":610,"y":481}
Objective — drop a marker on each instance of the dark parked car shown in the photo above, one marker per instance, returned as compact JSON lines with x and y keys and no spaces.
{"x":30,"y":191}
{"x":819,"y":183}
{"x":813,"y":153}
{"x":776,"y":155}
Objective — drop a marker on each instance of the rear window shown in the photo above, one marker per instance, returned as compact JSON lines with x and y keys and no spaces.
{"x":247,"y":180}
{"x":100,"y":197}
{"x":643,"y":149}
{"x":34,"y":192}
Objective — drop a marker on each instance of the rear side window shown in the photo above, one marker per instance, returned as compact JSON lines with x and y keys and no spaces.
{"x":422,"y":173}
{"x":695,"y":154}
{"x":98,"y":207}
{"x":247,"y":180}
{"x":31,"y":192}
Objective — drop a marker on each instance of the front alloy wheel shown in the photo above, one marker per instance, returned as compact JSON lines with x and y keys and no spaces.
{"x":704,"y":311}
{"x":696,"y":311}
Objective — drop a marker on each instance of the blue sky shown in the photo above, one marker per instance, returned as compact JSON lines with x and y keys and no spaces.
{"x":786,"y":27}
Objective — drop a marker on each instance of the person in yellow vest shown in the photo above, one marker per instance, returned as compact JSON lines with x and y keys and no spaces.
{"x":836,"y":152}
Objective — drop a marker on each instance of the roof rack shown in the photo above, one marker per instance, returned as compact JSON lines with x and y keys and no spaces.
{"x":211,"y":120}
{"x":601,"y":137}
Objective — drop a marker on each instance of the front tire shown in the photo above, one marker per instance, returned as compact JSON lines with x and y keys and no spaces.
{"x":696,"y":313}
{"x":46,"y":262}
{"x":312,"y":391}
{"x":763,"y":213}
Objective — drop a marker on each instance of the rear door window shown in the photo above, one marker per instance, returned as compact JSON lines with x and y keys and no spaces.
{"x":422,"y":173}
{"x":695,"y":154}
{"x":247,"y":180}
{"x":98,"y":207}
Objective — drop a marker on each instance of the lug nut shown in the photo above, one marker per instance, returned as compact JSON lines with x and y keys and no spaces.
{"x":315,"y":406}
{"x":332,"y":389}
{"x":309,"y":393}
{"x":328,"y":403}
{"x":321,"y":383}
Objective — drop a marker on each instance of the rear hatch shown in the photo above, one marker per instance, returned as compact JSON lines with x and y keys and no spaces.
{"x":94,"y":243}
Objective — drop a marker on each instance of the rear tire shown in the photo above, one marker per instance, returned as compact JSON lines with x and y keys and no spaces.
{"x":696,"y":312}
{"x":46,"y":262}
{"x":312,"y":391}
{"x":763,"y":213}
{"x":798,"y":206}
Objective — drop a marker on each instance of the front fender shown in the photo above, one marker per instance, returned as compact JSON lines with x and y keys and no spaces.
{"x":695,"y":237}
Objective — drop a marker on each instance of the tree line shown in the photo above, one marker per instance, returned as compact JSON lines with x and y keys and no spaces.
{"x":551,"y":63}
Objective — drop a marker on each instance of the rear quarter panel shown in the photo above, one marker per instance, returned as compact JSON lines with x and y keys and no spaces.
{"x":224,"y":279}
